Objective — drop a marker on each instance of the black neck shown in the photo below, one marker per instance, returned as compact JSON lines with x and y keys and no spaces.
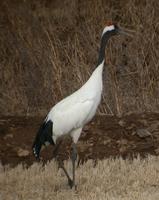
{"x":103,"y":44}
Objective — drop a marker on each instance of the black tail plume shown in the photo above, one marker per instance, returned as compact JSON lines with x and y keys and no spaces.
{"x":44,"y":135}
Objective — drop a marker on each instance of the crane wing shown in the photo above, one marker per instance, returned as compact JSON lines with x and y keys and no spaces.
{"x":77,"y":115}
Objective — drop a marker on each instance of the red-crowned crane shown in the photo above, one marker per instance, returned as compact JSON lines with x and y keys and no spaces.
{"x":69,"y":116}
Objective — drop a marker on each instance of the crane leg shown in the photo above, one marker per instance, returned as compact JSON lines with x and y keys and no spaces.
{"x":73,"y":158}
{"x":61,"y":164}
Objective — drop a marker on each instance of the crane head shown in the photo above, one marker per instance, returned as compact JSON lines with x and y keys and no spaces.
{"x":113,"y":29}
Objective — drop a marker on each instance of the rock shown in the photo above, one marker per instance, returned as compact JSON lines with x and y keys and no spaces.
{"x":8,"y":136}
{"x":22,"y":152}
{"x":131,"y":126}
{"x":142,"y":133}
{"x":122,"y":123}
{"x":107,"y":141}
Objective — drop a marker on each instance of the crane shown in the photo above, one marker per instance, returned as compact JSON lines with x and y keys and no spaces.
{"x":70,"y":115}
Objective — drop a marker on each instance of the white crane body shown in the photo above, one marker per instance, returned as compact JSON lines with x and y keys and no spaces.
{"x":76,"y":110}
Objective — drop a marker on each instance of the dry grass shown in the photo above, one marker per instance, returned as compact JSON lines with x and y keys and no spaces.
{"x":110,"y":179}
{"x":48,"y":49}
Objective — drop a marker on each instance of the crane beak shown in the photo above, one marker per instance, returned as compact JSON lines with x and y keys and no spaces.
{"x":126,"y":32}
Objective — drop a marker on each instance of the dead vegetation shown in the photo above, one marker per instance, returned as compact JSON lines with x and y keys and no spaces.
{"x":48,"y":49}
{"x":110,"y":179}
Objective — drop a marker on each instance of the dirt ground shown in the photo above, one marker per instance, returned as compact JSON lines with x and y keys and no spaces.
{"x":105,"y":136}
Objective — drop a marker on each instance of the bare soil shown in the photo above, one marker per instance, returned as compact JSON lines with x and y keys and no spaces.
{"x":105,"y":136}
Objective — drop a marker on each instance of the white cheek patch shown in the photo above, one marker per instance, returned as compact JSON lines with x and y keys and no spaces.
{"x":108,"y":28}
